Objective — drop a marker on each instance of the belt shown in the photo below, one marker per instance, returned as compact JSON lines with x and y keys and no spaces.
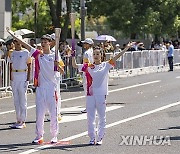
{"x":19,"y":70}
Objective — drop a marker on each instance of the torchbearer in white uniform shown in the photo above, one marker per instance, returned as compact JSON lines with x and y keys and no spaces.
{"x":46,"y":91}
{"x":96,"y":92}
{"x":20,"y":67}
{"x":59,"y":77}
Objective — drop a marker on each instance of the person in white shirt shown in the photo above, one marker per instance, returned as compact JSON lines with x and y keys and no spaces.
{"x":97,"y":90}
{"x":20,"y":67}
{"x":1,"y":57}
{"x":87,"y":58}
{"x":46,"y":82}
{"x":88,"y":53}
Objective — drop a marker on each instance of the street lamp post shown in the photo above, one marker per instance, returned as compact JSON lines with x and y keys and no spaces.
{"x":35,"y":18}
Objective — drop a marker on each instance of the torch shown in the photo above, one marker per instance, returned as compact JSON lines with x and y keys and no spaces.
{"x":72,"y":18}
{"x":57,"y":37}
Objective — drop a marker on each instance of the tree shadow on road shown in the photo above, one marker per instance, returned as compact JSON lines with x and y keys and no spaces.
{"x":175,"y":138}
{"x":68,"y":147}
{"x":7,"y":148}
{"x":6,"y":125}
{"x":169,"y":128}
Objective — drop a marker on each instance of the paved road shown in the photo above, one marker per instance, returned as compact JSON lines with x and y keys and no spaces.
{"x":145,"y":106}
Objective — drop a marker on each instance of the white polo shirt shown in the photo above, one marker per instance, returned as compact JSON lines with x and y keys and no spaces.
{"x":19,"y":60}
{"x":46,"y":72}
{"x":99,"y":76}
{"x":88,"y":56}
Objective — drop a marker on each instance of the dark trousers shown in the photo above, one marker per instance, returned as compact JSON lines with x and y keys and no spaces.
{"x":170,"y":60}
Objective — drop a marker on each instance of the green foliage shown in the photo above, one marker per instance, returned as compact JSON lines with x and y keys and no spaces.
{"x":139,"y":16}
{"x":23,"y":16}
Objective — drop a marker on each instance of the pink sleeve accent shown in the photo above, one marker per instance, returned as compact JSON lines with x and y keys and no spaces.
{"x":37,"y":52}
{"x":84,"y":68}
{"x":37,"y":69}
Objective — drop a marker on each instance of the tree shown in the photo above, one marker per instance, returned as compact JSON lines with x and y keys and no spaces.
{"x":138,"y":16}
{"x":49,"y":16}
{"x":23,"y":16}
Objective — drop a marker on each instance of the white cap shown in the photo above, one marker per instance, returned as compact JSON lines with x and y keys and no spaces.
{"x":53,"y":36}
{"x":88,"y":41}
{"x":117,"y":45}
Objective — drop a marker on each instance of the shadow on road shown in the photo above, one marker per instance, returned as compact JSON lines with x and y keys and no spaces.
{"x":14,"y":147}
{"x":68,"y":147}
{"x":175,"y":138}
{"x":169,"y":128}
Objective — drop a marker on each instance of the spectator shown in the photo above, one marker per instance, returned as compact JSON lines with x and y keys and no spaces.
{"x":1,"y":51}
{"x":152,"y":45}
{"x":170,"y":55}
{"x":79,"y":52}
{"x":33,"y":43}
{"x":1,"y":57}
{"x":141,"y":46}
{"x":9,"y":45}
{"x":108,"y":47}
{"x":117,"y":51}
{"x":163,"y":48}
{"x":117,"y":48}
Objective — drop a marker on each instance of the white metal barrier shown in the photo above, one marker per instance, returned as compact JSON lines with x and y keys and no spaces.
{"x":151,"y":59}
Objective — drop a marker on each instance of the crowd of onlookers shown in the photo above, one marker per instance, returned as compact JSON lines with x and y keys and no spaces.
{"x":7,"y":47}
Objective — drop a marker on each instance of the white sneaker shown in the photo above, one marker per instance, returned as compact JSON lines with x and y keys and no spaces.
{"x":92,"y":142}
{"x":14,"y":125}
{"x":84,"y":111}
{"x":38,"y":140}
{"x":99,"y":142}
{"x":54,"y":140}
{"x":20,"y":125}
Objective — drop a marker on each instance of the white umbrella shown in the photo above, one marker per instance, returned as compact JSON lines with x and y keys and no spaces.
{"x":105,"y":38}
{"x":23,"y":32}
{"x":1,"y":40}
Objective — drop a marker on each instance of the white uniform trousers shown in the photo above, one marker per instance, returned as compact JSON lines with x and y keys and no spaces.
{"x":93,"y":103}
{"x":19,"y":89}
{"x":46,"y":98}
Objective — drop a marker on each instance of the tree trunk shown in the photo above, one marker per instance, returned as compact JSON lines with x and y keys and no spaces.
{"x":55,"y":12}
{"x":58,"y":12}
{"x":66,"y":21}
